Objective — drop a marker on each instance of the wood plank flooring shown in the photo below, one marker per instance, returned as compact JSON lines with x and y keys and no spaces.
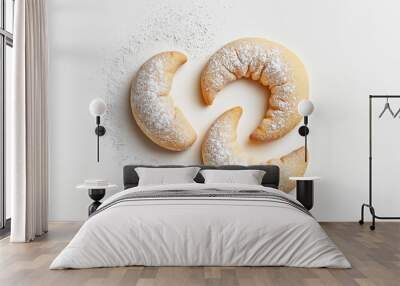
{"x":375,"y":257}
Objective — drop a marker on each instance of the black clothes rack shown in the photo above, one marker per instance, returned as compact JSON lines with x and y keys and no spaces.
{"x":370,"y":205}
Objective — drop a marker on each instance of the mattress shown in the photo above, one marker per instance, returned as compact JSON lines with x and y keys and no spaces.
{"x":201,"y":225}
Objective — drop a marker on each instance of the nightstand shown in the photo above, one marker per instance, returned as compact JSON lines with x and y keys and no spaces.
{"x":305,"y":190}
{"x":96,"y":193}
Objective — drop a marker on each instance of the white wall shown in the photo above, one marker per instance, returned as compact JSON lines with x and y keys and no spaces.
{"x":350,"y":49}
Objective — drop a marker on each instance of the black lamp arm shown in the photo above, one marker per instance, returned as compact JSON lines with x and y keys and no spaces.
{"x":303,"y":131}
{"x":99,"y":131}
{"x":305,"y":148}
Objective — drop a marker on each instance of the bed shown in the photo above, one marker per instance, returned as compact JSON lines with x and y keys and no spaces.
{"x":201,"y":224}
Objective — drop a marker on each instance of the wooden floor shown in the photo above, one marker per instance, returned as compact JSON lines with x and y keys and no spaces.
{"x":375,"y":257}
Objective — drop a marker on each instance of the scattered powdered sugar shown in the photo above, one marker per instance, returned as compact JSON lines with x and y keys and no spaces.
{"x":188,"y":28}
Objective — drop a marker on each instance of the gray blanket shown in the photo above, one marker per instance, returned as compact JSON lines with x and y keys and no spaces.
{"x":211,"y":193}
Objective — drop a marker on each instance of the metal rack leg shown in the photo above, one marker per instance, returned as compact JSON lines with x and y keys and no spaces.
{"x":361,"y":221}
{"x":372,"y":211}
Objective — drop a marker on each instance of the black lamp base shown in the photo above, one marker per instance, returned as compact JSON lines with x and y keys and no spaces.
{"x":96,"y":195}
{"x":305,"y":193}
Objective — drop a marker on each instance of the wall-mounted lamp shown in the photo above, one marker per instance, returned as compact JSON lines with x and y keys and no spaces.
{"x":305,"y":108}
{"x":97,"y":108}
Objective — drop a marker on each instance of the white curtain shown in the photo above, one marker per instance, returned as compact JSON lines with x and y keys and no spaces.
{"x":26,"y":119}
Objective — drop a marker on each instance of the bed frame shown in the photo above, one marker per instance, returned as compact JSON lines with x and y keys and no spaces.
{"x":270,"y":179}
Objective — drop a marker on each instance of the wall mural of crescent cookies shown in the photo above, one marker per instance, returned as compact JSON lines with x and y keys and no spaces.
{"x":153,"y":107}
{"x":271,"y":64}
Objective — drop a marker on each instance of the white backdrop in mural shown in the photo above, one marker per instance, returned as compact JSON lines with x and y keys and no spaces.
{"x":96,"y":46}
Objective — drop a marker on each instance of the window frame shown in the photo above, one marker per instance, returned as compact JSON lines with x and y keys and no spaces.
{"x":6,"y":39}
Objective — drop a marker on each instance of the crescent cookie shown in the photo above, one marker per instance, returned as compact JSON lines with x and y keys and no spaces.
{"x":274,"y":67}
{"x":152,"y":106}
{"x":220,"y":147}
{"x":290,"y":165}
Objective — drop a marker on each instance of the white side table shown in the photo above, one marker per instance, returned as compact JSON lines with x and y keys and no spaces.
{"x":305,"y":190}
{"x":96,"y":193}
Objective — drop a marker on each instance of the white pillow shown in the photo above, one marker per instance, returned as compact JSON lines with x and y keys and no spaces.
{"x":163,"y":176}
{"x":248,"y":177}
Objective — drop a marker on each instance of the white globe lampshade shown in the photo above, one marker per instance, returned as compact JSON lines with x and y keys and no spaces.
{"x":305,"y":107}
{"x":97,"y":107}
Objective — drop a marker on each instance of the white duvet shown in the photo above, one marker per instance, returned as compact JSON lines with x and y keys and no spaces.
{"x":200,"y":231}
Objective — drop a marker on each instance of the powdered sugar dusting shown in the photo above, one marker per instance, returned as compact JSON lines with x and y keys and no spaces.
{"x":250,"y":60}
{"x":153,"y":106}
{"x":156,"y":112}
{"x":220,"y":146}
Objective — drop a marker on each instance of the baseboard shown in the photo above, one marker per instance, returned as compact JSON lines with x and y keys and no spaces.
{"x":66,"y":221}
